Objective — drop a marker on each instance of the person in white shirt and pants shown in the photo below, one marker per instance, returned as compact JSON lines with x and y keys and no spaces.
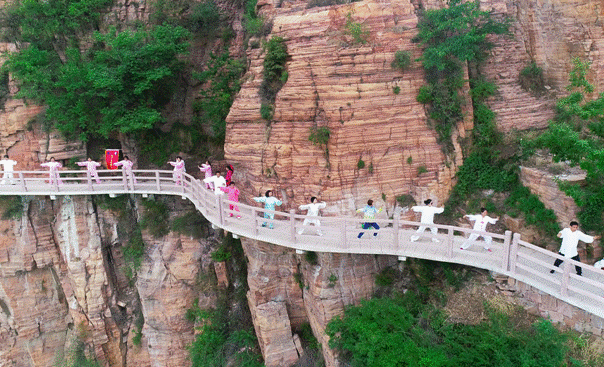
{"x":428,"y":212}
{"x":570,"y":240}
{"x":480,"y":224}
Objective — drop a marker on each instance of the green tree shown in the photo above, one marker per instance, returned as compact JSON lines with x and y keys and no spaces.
{"x":117,"y":85}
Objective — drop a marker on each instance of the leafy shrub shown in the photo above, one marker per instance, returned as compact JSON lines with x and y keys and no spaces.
{"x":396,"y":89}
{"x":386,"y":277}
{"x":421,"y":169}
{"x":531,"y":78}
{"x":155,"y":218}
{"x":481,"y":89}
{"x":402,"y":60}
{"x":319,"y":136}
{"x":405,"y":200}
{"x":357,"y":30}
{"x":311,"y":257}
{"x":266,"y":111}
{"x":360,"y":164}
{"x":221,"y":254}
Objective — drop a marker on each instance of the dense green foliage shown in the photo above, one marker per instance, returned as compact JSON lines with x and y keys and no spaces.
{"x":577,"y":137}
{"x":191,"y":224}
{"x":133,"y":252}
{"x":531,"y":78}
{"x":401,"y":331}
{"x":222,"y":80}
{"x":452,"y":36}
{"x":117,"y":85}
{"x":156,"y":218}
{"x":52,"y":24}
{"x":12,"y":207}
{"x":402,"y":60}
{"x":275,"y":73}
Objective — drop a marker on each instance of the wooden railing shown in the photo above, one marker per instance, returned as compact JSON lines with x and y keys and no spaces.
{"x":510,"y":255}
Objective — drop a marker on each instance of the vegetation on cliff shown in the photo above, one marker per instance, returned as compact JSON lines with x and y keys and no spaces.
{"x":226,"y":335}
{"x":577,"y":136}
{"x":417,"y":329}
{"x":456,"y":38}
{"x":452,"y":37}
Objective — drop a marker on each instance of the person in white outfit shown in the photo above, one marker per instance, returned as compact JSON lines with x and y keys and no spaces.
{"x":217,"y":181}
{"x":570,"y":240}
{"x":91,"y":168}
{"x":53,"y":171}
{"x":312,"y":214}
{"x":7,"y":167}
{"x":480,"y":224}
{"x":428,"y":212}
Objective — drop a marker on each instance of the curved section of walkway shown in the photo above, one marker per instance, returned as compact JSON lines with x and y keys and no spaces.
{"x":510,"y":256}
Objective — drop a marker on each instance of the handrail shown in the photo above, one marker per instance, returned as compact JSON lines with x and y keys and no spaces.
{"x":510,"y":256}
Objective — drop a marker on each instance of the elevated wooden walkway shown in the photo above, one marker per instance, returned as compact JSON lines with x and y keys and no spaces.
{"x":510,"y":255}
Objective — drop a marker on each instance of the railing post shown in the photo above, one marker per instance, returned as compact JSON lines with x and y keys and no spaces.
{"x":506,"y":251}
{"x":89,"y":180}
{"x":565,"y":276}
{"x":343,"y":233}
{"x":450,"y":242}
{"x":292,"y":224}
{"x":513,"y":253}
{"x":254,"y":222}
{"x":22,"y":181}
{"x":124,"y":180}
{"x":157,"y":185}
{"x":219,"y":208}
{"x":395,"y":228}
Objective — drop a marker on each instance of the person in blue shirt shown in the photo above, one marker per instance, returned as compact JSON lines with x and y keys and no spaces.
{"x":369,"y":213}
{"x":269,"y":204}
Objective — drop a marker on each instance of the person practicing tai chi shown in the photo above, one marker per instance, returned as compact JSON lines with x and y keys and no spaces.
{"x":570,"y":239}
{"x":269,"y":204}
{"x":233,"y":195}
{"x":91,"y":168}
{"x":206,"y":168}
{"x":480,"y":224}
{"x":369,"y":213}
{"x":217,"y":182}
{"x":229,"y":173}
{"x":179,"y":169}
{"x":53,"y":171}
{"x":7,"y":167}
{"x":312,"y":214}
{"x":126,"y":164}
{"x":428,"y":212}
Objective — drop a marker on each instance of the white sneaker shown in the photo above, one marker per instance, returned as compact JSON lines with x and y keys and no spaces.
{"x":414,"y":238}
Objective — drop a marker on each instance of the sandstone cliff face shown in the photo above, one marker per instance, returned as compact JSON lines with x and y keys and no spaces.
{"x":346,"y":87}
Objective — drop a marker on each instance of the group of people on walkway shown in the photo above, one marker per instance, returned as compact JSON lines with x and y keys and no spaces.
{"x":224,"y":185}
